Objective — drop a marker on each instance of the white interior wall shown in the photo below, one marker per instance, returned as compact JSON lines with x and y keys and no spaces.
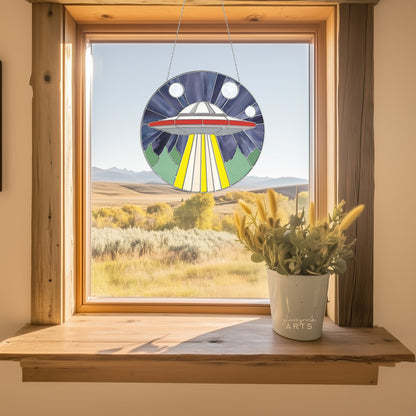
{"x":395,"y":280}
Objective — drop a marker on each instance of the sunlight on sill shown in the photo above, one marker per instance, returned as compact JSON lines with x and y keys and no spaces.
{"x":198,"y":349}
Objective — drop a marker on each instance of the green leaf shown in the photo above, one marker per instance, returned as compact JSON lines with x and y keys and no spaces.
{"x":341,"y":265}
{"x":256,"y":258}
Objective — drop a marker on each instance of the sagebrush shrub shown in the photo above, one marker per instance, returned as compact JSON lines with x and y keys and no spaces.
{"x":187,"y":245}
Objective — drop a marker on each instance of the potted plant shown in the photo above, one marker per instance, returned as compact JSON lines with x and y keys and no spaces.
{"x":300,"y":255}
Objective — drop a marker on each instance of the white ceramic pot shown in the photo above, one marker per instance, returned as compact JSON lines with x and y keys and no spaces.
{"x":298,"y":304}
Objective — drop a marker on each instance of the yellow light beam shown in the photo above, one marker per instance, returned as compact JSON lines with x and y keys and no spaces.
{"x":225,"y":183}
{"x":180,"y":176}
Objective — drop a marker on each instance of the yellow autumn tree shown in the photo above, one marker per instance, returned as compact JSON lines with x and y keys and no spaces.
{"x":195,"y":212}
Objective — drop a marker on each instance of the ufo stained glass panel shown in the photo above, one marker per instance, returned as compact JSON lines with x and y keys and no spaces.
{"x":202,"y":131}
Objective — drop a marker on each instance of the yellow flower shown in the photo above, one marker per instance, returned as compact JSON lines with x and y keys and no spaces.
{"x":351,"y":217}
{"x":237,"y":219}
{"x":272,"y":196}
{"x":245,"y":207}
{"x":312,"y":214}
{"x":261,"y":209}
{"x":242,"y":227}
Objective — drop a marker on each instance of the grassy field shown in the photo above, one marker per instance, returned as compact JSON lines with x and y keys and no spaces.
{"x":147,"y":250}
{"x":106,"y":194}
{"x":230,"y":276}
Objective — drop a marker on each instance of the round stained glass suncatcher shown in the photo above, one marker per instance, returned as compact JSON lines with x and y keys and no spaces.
{"x":202,"y":131}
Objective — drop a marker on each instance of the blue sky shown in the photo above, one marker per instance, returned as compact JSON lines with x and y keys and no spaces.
{"x":125,"y":76}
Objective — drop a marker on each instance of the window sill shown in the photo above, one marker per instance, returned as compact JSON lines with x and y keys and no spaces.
{"x":198,"y":349}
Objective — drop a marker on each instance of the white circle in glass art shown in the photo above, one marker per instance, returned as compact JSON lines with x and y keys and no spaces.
{"x":229,"y":90}
{"x":250,"y":111}
{"x":176,"y":90}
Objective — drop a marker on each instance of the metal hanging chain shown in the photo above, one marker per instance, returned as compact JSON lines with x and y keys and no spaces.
{"x":176,"y":39}
{"x":229,"y":37}
{"x":231,"y":43}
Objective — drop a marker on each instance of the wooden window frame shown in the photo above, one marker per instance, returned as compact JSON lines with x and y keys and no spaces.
{"x":57,"y":125}
{"x":313,"y":34}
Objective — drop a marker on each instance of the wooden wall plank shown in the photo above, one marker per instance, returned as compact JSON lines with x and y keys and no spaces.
{"x":331,"y":144}
{"x":46,"y":169}
{"x":204,"y":2}
{"x":1,"y":130}
{"x":169,"y":14}
{"x":70,"y":30}
{"x":219,"y":372}
{"x":53,"y":66}
{"x":356,"y":157}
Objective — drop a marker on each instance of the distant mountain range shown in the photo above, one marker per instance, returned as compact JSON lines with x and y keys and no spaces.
{"x":254,"y":182}
{"x":117,"y":175}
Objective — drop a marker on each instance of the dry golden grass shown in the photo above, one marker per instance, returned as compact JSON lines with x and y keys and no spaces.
{"x":231,"y":276}
{"x":184,"y":269}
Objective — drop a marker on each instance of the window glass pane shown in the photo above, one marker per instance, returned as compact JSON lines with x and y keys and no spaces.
{"x":151,"y":239}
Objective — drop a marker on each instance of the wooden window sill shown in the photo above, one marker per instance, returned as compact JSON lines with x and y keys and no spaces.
{"x":198,"y":349}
